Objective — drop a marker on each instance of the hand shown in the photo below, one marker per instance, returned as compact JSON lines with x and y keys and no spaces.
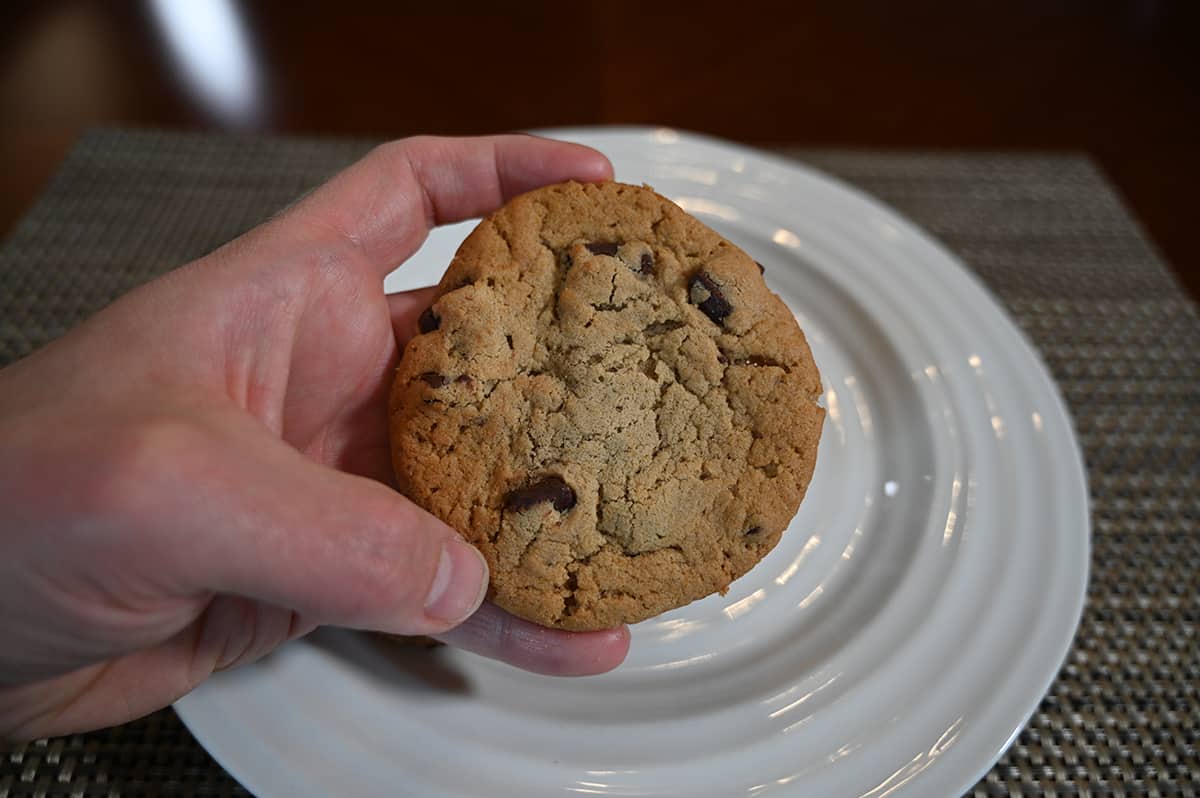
{"x":200,"y":472}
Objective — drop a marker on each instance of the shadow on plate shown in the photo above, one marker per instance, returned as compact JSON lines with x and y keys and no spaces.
{"x":394,"y":663}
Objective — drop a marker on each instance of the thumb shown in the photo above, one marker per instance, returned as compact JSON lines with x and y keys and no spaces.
{"x":333,"y":547}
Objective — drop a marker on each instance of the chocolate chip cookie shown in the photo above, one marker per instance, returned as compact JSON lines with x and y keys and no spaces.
{"x":607,"y":400}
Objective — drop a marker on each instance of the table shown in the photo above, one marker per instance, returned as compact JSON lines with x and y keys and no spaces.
{"x":1045,"y":232}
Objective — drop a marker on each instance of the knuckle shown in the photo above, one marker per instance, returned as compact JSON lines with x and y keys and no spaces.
{"x":402,"y":158}
{"x":395,"y":151}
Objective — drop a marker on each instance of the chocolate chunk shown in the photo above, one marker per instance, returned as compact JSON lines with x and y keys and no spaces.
{"x":705,"y":294}
{"x":647,"y":263}
{"x":433,"y":380}
{"x":602,"y":248}
{"x":761,"y":269}
{"x":428,"y":321}
{"x":548,"y":489}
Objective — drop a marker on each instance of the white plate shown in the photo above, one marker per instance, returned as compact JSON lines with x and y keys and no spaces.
{"x":893,"y":644}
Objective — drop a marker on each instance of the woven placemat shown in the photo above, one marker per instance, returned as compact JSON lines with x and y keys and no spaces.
{"x":1046,"y":233}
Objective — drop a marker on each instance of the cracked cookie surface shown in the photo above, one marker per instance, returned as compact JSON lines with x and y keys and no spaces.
{"x":607,"y":400}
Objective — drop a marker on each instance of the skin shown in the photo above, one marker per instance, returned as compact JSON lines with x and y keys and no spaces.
{"x":199,"y":473}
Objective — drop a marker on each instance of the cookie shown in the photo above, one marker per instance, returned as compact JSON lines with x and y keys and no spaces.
{"x":607,"y":400}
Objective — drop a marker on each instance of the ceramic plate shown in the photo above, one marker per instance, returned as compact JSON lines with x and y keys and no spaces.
{"x":893,"y":644}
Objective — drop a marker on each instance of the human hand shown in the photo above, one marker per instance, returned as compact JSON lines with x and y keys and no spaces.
{"x":200,"y":472}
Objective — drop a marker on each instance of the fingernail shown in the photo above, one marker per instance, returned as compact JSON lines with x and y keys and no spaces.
{"x":460,"y":583}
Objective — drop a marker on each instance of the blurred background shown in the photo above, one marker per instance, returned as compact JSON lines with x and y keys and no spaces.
{"x":1117,"y":79}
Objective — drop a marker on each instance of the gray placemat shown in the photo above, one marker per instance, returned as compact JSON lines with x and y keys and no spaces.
{"x":1046,"y":233}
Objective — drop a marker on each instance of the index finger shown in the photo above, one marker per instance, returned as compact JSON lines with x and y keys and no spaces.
{"x":385,"y":204}
{"x":494,"y":633}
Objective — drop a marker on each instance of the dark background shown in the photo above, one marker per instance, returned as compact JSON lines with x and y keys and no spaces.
{"x":1118,"y":79}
